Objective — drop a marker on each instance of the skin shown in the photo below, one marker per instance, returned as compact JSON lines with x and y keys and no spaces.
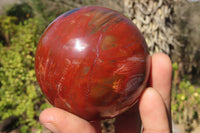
{"x":152,"y":110}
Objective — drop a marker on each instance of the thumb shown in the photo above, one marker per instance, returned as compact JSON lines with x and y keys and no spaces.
{"x":153,"y":112}
{"x":60,"y":121}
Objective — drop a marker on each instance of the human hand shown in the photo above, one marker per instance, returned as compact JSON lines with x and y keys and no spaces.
{"x":152,"y":111}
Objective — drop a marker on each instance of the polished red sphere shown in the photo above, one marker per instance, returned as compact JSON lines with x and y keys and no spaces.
{"x":92,"y":62}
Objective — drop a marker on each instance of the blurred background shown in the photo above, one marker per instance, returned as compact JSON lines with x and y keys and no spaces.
{"x":169,"y":26}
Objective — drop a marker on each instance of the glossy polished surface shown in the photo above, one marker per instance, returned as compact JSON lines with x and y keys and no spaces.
{"x":93,"y":62}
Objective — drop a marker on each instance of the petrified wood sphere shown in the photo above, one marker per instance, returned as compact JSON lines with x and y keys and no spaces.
{"x":92,"y":62}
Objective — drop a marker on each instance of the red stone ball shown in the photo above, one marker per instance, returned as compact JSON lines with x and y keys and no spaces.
{"x":92,"y":62}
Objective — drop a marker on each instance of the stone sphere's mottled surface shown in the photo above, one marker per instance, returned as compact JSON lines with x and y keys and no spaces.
{"x":92,"y":62}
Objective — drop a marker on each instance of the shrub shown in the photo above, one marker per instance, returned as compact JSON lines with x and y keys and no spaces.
{"x":21,"y":11}
{"x":19,"y":93}
{"x":185,"y":101}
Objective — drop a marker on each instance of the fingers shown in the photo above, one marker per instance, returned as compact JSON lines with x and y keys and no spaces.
{"x":60,"y":121}
{"x":159,"y":97}
{"x":160,"y":80}
{"x":153,"y":112}
{"x":161,"y":75}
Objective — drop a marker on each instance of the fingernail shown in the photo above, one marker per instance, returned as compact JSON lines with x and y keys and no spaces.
{"x":51,"y":127}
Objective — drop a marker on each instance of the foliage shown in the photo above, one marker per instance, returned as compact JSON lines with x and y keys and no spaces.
{"x":19,"y":92}
{"x":185,"y":101}
{"x":7,"y":28}
{"x":22,"y":11}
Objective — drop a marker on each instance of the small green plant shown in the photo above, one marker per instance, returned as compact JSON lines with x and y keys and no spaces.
{"x":19,"y":93}
{"x":185,"y":101}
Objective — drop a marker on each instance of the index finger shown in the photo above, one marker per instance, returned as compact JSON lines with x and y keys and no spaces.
{"x":161,"y":77}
